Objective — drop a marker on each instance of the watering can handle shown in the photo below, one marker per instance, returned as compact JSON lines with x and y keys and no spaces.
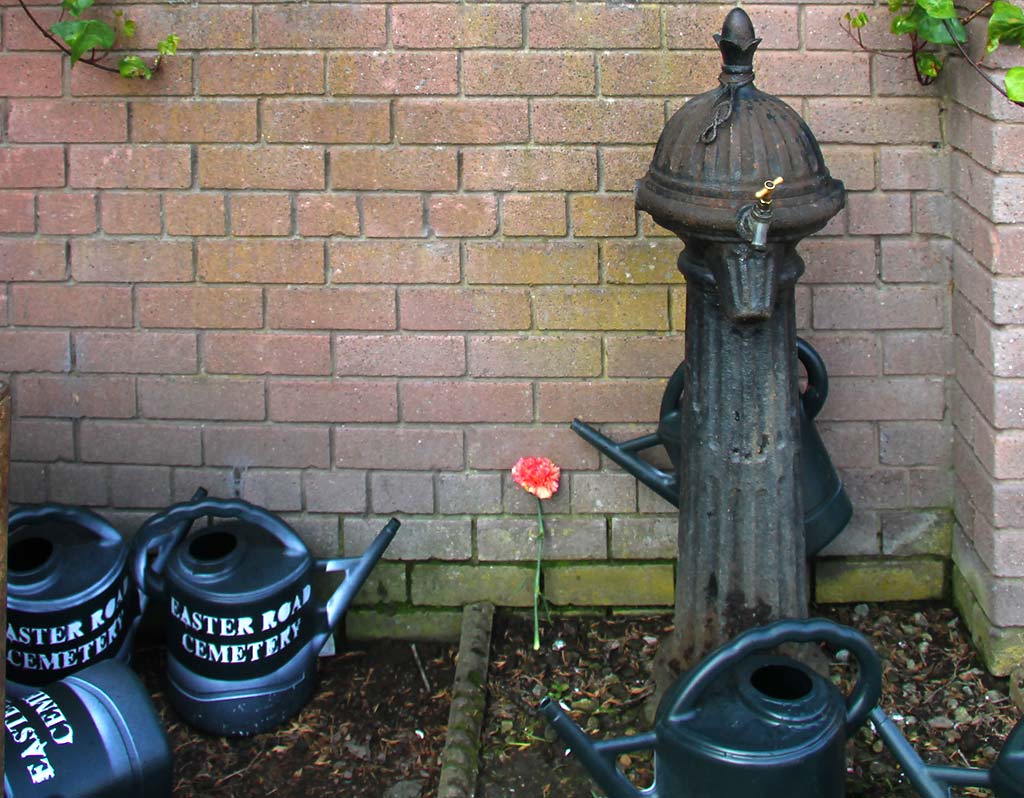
{"x":151,"y":547}
{"x":814,"y":396}
{"x":41,"y":513}
{"x":859,"y":703}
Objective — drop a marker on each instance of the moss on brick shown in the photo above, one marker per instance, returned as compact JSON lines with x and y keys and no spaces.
{"x":601,"y":585}
{"x":455,"y":585}
{"x":405,"y":624}
{"x":1002,"y":648}
{"x":854,"y":579}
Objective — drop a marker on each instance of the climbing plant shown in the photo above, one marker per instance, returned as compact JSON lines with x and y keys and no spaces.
{"x":934,"y":26}
{"x":90,"y":41}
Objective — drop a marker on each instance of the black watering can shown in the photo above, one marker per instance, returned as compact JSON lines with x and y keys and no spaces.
{"x":827,"y":508}
{"x":743,"y":724}
{"x":71,"y":601}
{"x":243,"y":629}
{"x":91,"y":735}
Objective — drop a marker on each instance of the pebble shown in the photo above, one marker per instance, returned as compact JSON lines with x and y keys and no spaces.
{"x":409,"y":788}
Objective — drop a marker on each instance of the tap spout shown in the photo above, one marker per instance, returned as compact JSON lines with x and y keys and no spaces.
{"x":753,"y":221}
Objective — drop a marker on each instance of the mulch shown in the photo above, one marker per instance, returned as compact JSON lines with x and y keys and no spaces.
{"x":371,"y":725}
{"x":935,"y":688}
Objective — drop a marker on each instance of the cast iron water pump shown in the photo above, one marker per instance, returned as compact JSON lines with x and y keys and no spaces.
{"x":739,"y":177}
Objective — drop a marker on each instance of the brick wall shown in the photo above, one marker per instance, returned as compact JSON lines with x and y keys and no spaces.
{"x":353,"y":260}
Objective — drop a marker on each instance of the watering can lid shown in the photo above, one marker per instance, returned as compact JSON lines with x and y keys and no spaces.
{"x":57,"y":564}
{"x":235,"y":562}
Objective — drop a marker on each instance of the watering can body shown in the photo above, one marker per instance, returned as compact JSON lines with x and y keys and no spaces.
{"x":827,"y":508}
{"x":94,"y":734}
{"x":743,"y":723}
{"x":243,"y":626}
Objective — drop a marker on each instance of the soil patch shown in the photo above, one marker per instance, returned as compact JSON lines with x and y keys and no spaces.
{"x":371,"y":724}
{"x":935,"y":688}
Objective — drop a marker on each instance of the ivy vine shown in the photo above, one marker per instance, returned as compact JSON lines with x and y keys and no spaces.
{"x":90,"y":41}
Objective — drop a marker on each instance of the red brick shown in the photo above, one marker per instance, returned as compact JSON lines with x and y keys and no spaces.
{"x":641,"y":262}
{"x":140,"y":486}
{"x":326,"y":121}
{"x":400,"y":492}
{"x":529,"y":169}
{"x":204,"y":307}
{"x":839,"y":260}
{"x":204,"y":27}
{"x":194,"y":121}
{"x":30,"y":74}
{"x":384,"y":73}
{"x":34,"y":350}
{"x":884,"y":399}
{"x":78,"y":484}
{"x":393,"y":216}
{"x":267,"y":167}
{"x":21,"y":34}
{"x":393,"y":261}
{"x":914,"y":168}
{"x":692,"y":26}
{"x":621,"y":167}
{"x":195,"y":214}
{"x":903,"y":120}
{"x":530,"y":73}
{"x":400,"y":355}
{"x":397,"y":168}
{"x":793,"y":74}
{"x":76,"y":397}
{"x":916,"y":443}
{"x":260,"y":73}
{"x":327,"y":215}
{"x":23,"y":260}
{"x":274,"y":446}
{"x":462,"y":215}
{"x":513,"y":263}
{"x":263,"y":353}
{"x":411,"y":448}
{"x":335,"y":491}
{"x":916,"y":261}
{"x":877,"y":488}
{"x":42,"y":440}
{"x":590,"y":26}
{"x":96,"y":166}
{"x":557,"y":121}
{"x":261,"y":214}
{"x":852,"y":444}
{"x":172,"y":79}
{"x":316,"y":27}
{"x":602,"y":215}
{"x":498,"y":447}
{"x":28,"y":483}
{"x":822,"y":32}
{"x":874,"y":213}
{"x":643,"y":356}
{"x":64,"y":213}
{"x":31,"y":167}
{"x":918,"y":353}
{"x":601,"y":309}
{"x":142,"y":442}
{"x":65,"y":120}
{"x":17,"y":212}
{"x":468,"y":309}
{"x":871,"y":308}
{"x":136,"y":352}
{"x":450,"y":121}
{"x":71,"y":305}
{"x":129,"y":261}
{"x":466,"y":401}
{"x":131,"y":213}
{"x":534,"y":215}
{"x":854,"y":165}
{"x":201,"y":398}
{"x":620,"y":400}
{"x":348,"y":308}
{"x":534,"y":356}
{"x":333,"y":400}
{"x":848,"y":354}
{"x":439,"y":26}
{"x":658,"y":74}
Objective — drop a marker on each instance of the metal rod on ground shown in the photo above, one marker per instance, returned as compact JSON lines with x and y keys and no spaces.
{"x":419,"y":664}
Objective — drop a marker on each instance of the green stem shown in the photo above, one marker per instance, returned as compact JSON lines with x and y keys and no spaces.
{"x":536,"y":576}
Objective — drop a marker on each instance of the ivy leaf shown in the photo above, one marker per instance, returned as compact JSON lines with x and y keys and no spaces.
{"x":938,"y":9}
{"x":904,"y":23}
{"x":129,"y":28}
{"x":935,"y":31}
{"x":168,"y":46}
{"x":928,"y":64}
{"x":1014,"y":83}
{"x":1005,"y":25}
{"x":858,"y":20}
{"x":131,"y":66}
{"x":83,"y":35}
{"x":76,"y":7}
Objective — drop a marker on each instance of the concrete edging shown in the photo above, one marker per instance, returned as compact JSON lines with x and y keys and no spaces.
{"x":460,"y":759}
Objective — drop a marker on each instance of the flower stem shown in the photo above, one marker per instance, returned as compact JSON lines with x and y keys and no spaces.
{"x":536,"y":576}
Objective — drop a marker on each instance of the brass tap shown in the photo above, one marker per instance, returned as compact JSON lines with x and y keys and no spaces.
{"x":764,"y":195}
{"x":754,"y":220}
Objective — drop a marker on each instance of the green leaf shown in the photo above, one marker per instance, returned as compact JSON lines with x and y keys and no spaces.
{"x":905,"y":24}
{"x":168,"y":46}
{"x":858,"y":20}
{"x":938,"y":9}
{"x":83,"y":35}
{"x":76,"y":7}
{"x":129,"y":28}
{"x":928,"y":64}
{"x":1014,"y":83}
{"x":935,"y":31}
{"x":131,"y":66}
{"x":1005,"y":25}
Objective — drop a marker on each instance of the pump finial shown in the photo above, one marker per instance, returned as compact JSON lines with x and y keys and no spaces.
{"x":737,"y":42}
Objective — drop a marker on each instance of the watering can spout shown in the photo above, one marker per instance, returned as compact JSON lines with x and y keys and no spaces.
{"x":356,"y":570}
{"x":598,"y":758}
{"x":661,"y":482}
